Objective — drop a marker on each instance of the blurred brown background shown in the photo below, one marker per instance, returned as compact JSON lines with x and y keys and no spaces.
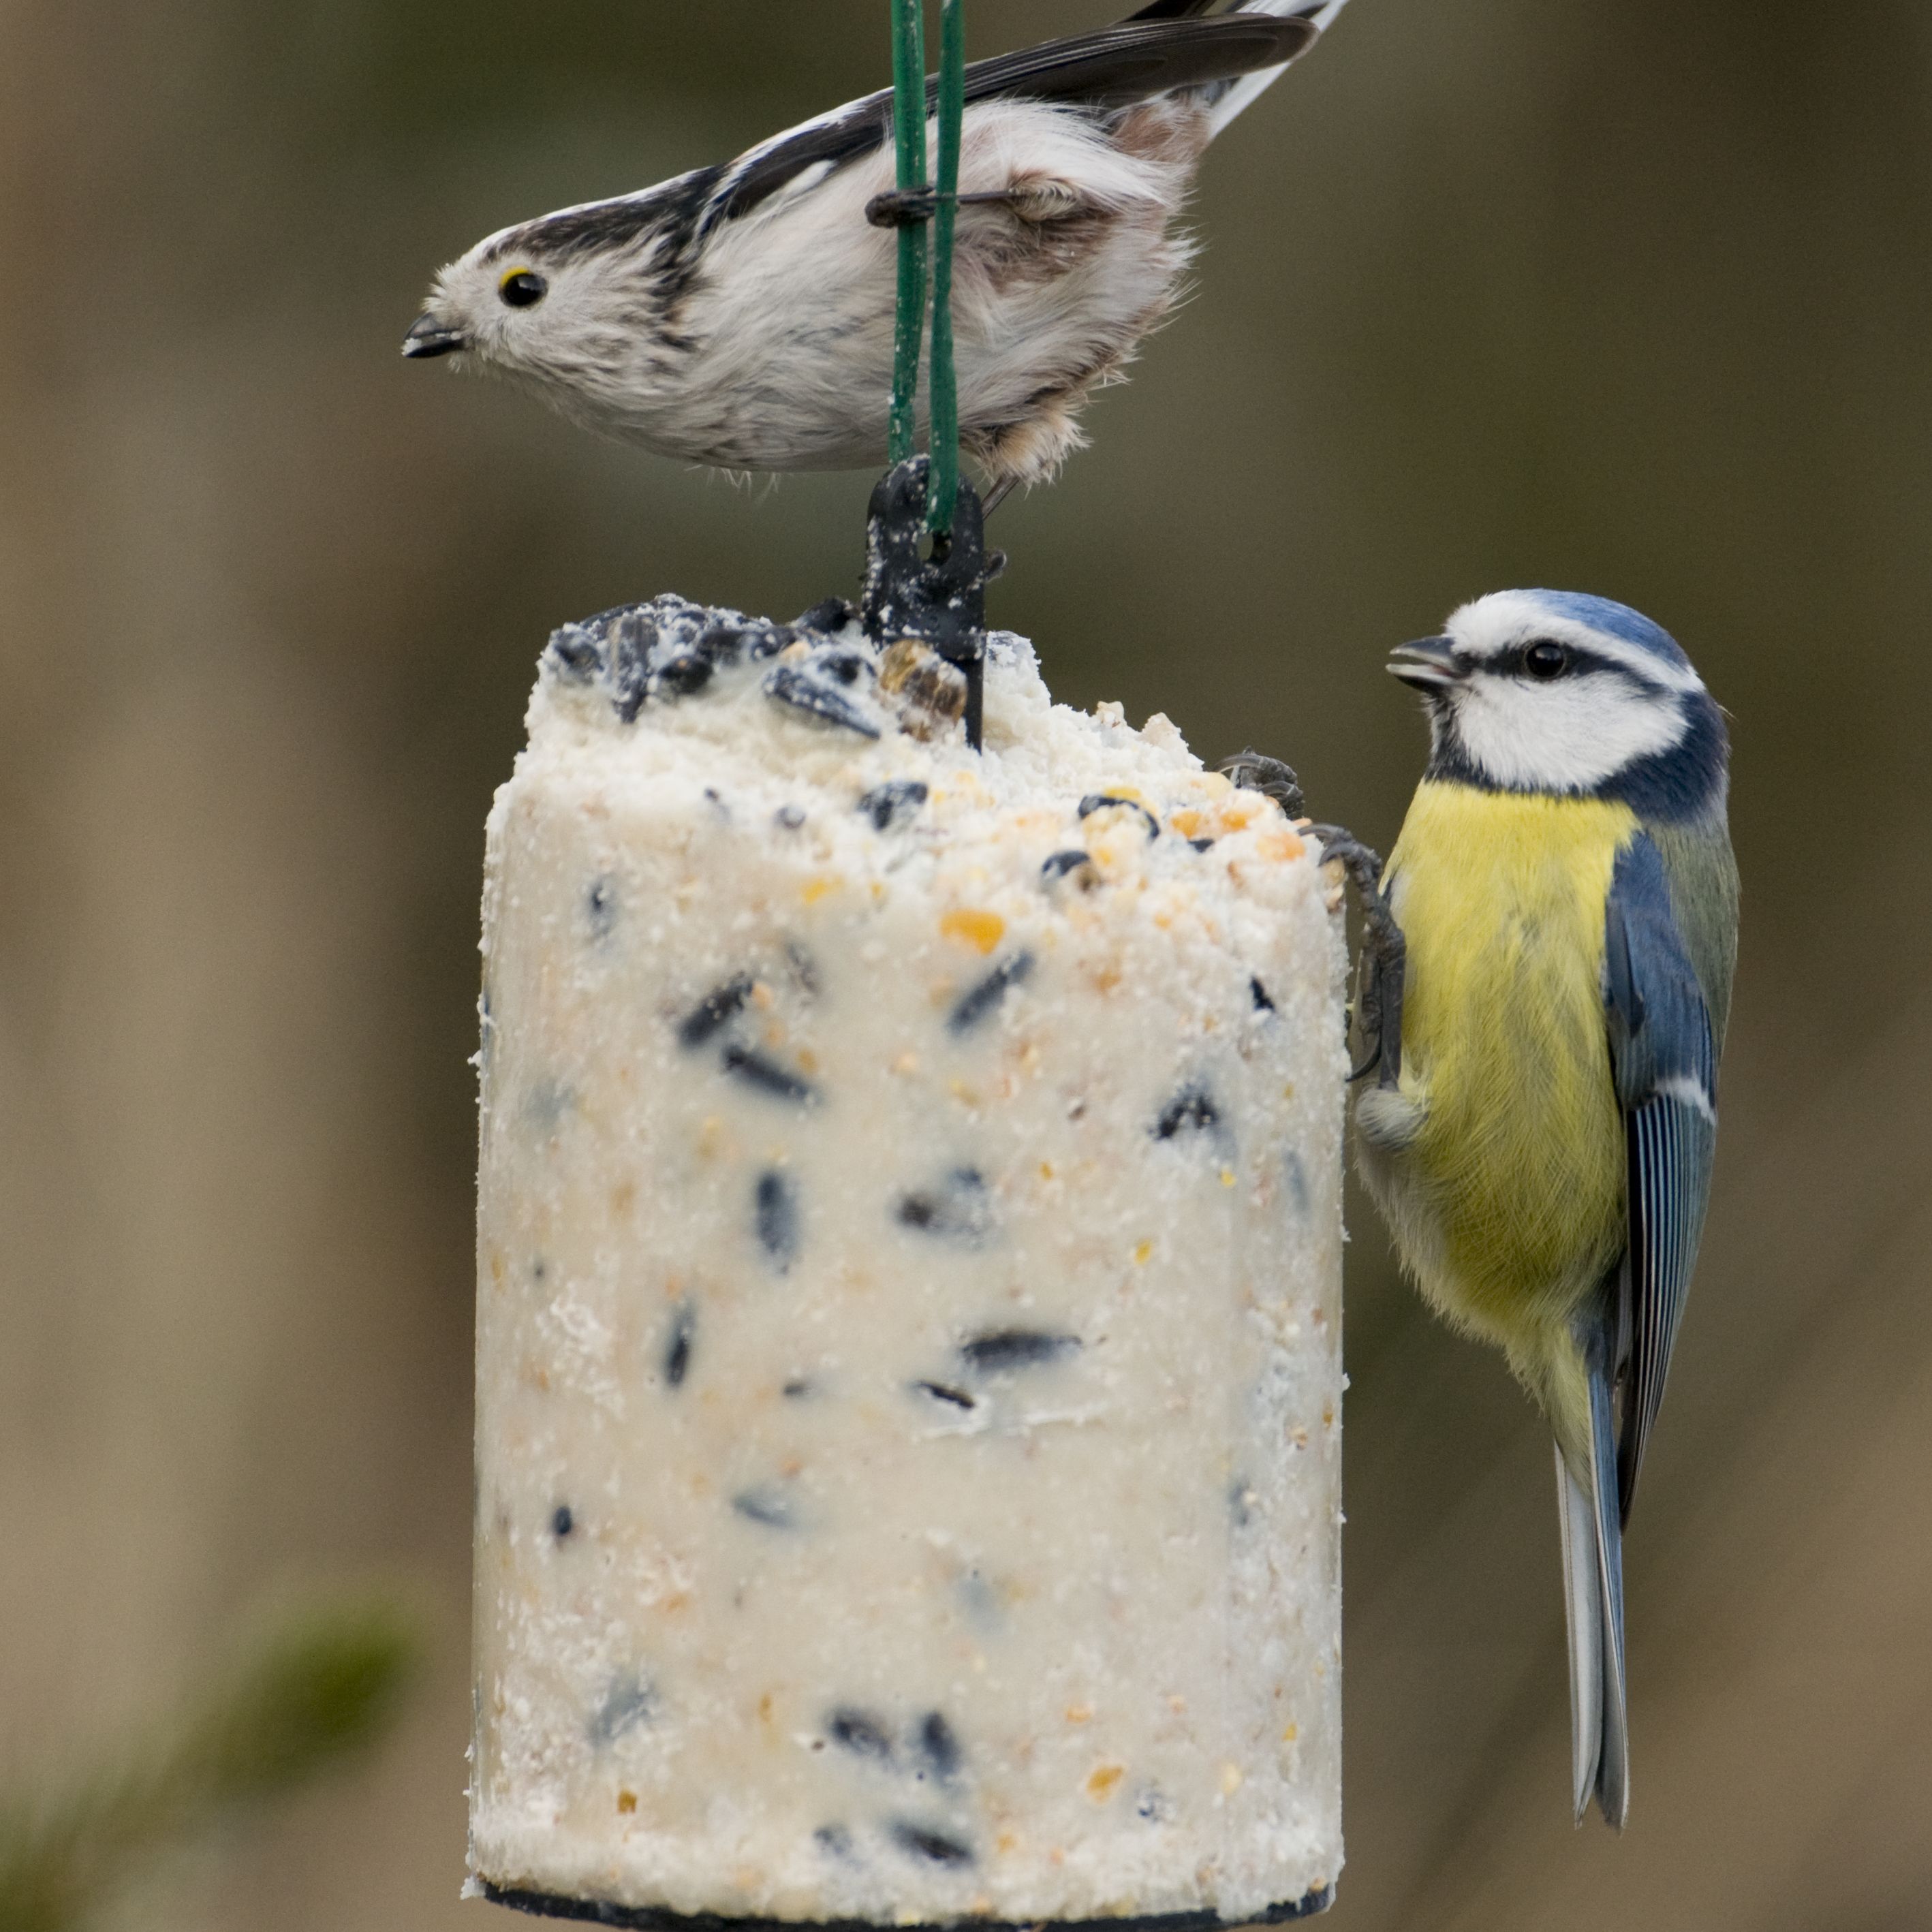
{"x":1634,"y":299}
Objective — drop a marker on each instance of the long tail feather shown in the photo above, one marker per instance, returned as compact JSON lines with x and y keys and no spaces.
{"x":1581,"y":1595}
{"x":1244,"y":93}
{"x":1593,"y":1603}
{"x":1613,"y":1770}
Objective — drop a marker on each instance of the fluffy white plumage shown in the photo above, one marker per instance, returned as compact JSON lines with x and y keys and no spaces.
{"x":742,"y":316}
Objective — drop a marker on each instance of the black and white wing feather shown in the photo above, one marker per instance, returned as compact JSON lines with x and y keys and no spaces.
{"x":1664,"y":1062}
{"x":1164,"y":50}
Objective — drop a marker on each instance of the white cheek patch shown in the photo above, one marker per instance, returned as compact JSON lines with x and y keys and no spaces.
{"x":581,"y":335}
{"x":1570,"y":735}
{"x":476,"y":303}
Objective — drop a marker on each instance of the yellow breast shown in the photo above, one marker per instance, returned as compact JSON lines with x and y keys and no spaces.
{"x":1508,"y":1202}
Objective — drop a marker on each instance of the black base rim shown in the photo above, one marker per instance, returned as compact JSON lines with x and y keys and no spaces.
{"x":655,"y":1919}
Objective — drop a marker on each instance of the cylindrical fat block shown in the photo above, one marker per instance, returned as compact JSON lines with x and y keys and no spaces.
{"x":908,"y":1313}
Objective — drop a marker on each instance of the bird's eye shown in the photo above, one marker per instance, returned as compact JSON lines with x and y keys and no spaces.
{"x":1544,"y":661}
{"x":523,"y":290}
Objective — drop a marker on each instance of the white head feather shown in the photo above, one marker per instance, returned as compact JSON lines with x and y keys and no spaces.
{"x":1621,"y":700}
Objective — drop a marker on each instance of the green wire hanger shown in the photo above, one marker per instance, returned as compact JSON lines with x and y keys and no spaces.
{"x":926,"y":565}
{"x":909,"y":116}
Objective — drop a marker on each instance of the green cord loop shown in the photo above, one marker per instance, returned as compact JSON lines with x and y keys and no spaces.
{"x":945,"y":493}
{"x":909,"y":139}
{"x":909,"y":118}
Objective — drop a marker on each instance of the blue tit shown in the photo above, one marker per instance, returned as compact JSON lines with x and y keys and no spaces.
{"x":1540,"y":1139}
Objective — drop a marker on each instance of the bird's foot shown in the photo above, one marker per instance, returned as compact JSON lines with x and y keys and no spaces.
{"x":1253,"y":771}
{"x":996,"y":494}
{"x":905,"y":207}
{"x":1385,"y":956}
{"x":902,"y":208}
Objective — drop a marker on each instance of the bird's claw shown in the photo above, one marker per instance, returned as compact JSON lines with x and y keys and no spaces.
{"x":1253,"y":771}
{"x":902,"y":208}
{"x":906,"y":207}
{"x":1385,"y":956}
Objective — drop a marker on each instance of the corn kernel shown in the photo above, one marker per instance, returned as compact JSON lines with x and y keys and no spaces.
{"x":980,"y":929}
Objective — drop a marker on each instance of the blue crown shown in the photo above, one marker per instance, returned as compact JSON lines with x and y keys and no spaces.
{"x":1614,"y":620}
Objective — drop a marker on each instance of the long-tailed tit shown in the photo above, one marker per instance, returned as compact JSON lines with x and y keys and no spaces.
{"x":742,"y":315}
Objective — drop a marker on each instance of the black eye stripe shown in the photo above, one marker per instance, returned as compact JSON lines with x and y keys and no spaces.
{"x":1580,"y":663}
{"x":1509,"y":659}
{"x":524,"y":289}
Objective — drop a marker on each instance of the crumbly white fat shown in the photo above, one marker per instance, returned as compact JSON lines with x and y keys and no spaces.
{"x":865,"y":1609}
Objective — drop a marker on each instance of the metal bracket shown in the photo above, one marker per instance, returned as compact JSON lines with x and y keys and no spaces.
{"x":939,"y":598}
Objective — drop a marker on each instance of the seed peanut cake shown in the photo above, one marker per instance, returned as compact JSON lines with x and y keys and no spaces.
{"x":909,"y":1304}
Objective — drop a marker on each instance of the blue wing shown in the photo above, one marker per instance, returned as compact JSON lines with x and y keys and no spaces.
{"x":1664,"y":1062}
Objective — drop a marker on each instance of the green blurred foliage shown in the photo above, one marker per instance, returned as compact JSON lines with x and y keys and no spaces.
{"x":323,"y":1685}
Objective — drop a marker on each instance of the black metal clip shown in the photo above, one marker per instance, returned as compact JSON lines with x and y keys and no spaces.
{"x":907,"y":208}
{"x":940,"y":599}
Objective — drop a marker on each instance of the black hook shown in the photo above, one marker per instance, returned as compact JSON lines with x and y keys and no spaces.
{"x":940,"y":600}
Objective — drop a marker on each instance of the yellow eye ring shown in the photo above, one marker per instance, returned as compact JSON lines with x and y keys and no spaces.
{"x":523,"y":288}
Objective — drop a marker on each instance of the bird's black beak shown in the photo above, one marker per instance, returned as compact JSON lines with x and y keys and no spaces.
{"x":1429,"y":664}
{"x":430,"y":335}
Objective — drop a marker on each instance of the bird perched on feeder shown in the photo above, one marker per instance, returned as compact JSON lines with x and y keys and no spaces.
{"x":1541,"y":1136}
{"x":742,"y":316}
